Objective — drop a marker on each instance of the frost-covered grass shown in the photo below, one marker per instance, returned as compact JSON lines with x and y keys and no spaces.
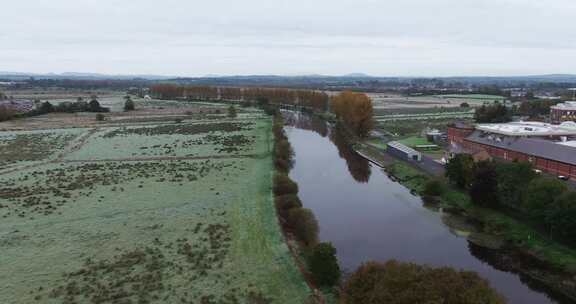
{"x":19,"y":148}
{"x":196,"y":139}
{"x":148,"y":231}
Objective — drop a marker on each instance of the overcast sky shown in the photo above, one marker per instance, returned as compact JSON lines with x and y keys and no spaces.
{"x":232,"y":37}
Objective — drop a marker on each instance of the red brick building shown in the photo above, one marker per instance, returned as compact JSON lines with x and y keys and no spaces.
{"x":548,"y":149}
{"x":563,"y":112}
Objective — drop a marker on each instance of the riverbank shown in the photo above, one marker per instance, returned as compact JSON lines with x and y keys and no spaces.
{"x":513,"y":245}
{"x":517,"y":246}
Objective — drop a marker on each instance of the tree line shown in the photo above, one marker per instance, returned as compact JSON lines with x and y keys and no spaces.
{"x":517,"y":187}
{"x":306,"y":98}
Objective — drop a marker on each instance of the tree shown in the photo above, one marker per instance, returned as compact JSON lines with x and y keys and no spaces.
{"x":94,"y":105}
{"x":464,"y":105}
{"x":561,"y":220}
{"x":459,"y":170}
{"x":405,"y":283}
{"x":284,"y":185}
{"x":100,"y":117}
{"x":355,"y":110}
{"x":6,"y":113}
{"x":305,"y":225}
{"x":232,"y":112}
{"x":433,"y":187}
{"x":540,"y":194}
{"x":129,"y":104}
{"x":484,"y":188}
{"x":512,"y":180}
{"x":324,"y":265}
{"x":46,"y":107}
{"x":493,"y":114}
{"x":287,"y":201}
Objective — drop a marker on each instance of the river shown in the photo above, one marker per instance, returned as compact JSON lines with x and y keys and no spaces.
{"x":367,"y":216}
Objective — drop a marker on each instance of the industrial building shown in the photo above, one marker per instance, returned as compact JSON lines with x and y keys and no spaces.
{"x":550,"y":148}
{"x":402,"y":151}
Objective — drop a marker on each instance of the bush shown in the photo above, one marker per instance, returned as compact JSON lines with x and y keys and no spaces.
{"x":433,"y":187}
{"x":283,"y":155}
{"x":100,"y":117}
{"x":539,"y":196}
{"x":6,"y":113}
{"x":304,"y":224}
{"x":561,"y":220}
{"x":94,"y":106}
{"x":460,"y":170}
{"x":512,"y":180}
{"x":232,"y":112}
{"x":288,"y":201}
{"x":129,"y":105}
{"x":464,"y":105}
{"x":284,"y":185}
{"x":45,"y":107}
{"x":324,"y":265}
{"x":484,"y":188}
{"x":405,"y":283}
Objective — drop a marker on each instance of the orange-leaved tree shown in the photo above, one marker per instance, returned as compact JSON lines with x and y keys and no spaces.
{"x":355,"y":110}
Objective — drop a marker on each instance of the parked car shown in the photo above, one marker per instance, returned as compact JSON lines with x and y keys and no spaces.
{"x":562,"y":177}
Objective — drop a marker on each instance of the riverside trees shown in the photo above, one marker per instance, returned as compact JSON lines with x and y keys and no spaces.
{"x":546,"y":202}
{"x":405,"y":283}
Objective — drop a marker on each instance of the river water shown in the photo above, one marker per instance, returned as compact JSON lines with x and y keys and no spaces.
{"x":367,"y":216}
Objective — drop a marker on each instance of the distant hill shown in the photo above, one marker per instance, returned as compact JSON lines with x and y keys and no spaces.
{"x":77,"y":75}
{"x":474,"y":79}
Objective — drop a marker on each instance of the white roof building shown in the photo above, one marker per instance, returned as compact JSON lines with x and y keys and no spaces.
{"x":525,"y":128}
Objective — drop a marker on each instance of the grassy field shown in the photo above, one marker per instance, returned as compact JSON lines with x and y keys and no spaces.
{"x":147,"y":213}
{"x":414,"y":141}
{"x":29,"y":147}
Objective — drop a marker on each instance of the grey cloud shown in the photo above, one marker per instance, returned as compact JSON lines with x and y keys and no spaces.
{"x":442,"y":37}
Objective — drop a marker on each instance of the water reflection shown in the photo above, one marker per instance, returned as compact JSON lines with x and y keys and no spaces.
{"x":358,"y":166}
{"x":367,"y":216}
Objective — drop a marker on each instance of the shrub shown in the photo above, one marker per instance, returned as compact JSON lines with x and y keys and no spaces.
{"x":512,"y":180}
{"x":405,"y":283}
{"x":484,"y":188}
{"x":283,"y":155}
{"x":232,"y":112}
{"x":464,"y":105}
{"x":561,"y":220}
{"x":284,"y":185}
{"x":94,"y":106}
{"x":460,"y":170}
{"x":100,"y":117}
{"x":324,"y":265}
{"x":6,"y":113}
{"x":287,"y":202}
{"x":129,"y":105}
{"x":46,"y":107}
{"x":540,"y":194}
{"x":304,"y":224}
{"x":433,"y":187}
